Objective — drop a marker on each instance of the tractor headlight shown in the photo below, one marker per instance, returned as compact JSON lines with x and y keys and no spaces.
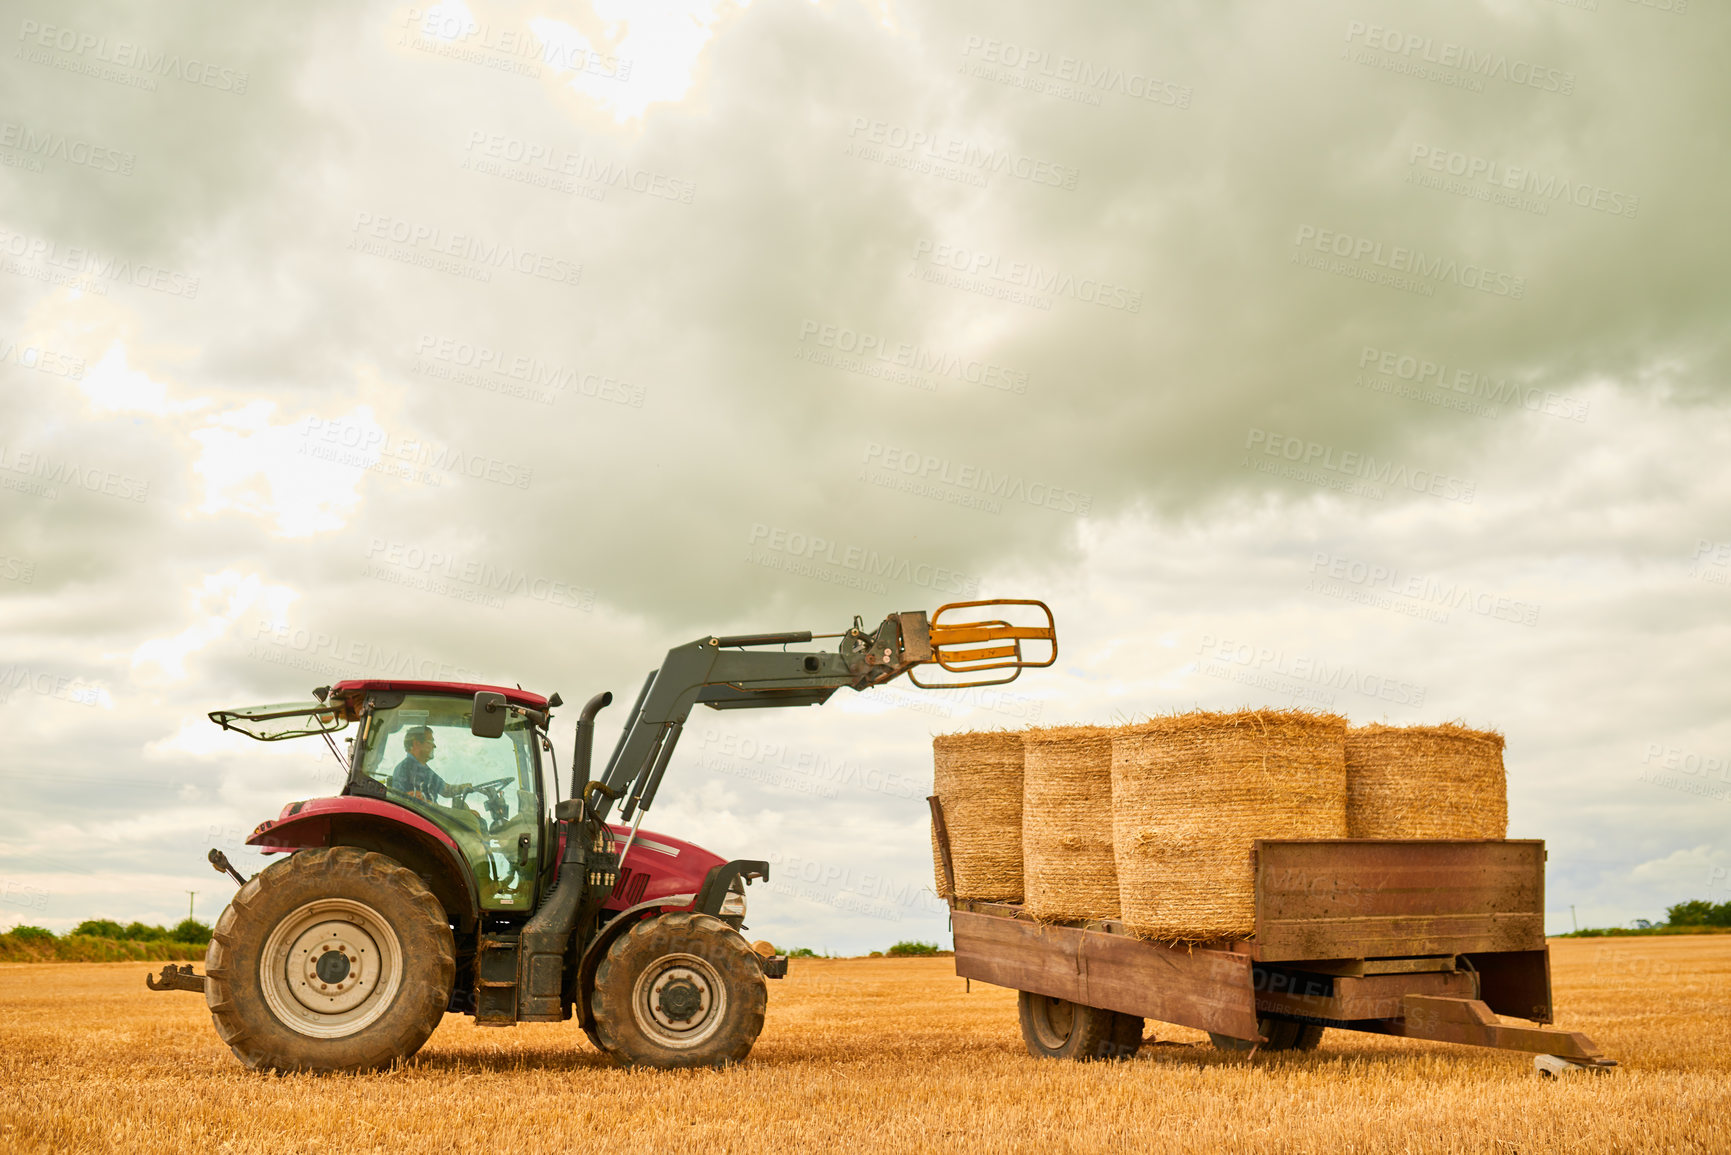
{"x":733,"y":906}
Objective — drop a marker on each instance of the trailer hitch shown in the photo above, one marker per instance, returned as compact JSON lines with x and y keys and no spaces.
{"x":219,"y":861}
{"x":173,"y":978}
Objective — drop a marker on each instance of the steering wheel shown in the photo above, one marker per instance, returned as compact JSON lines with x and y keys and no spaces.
{"x":488,"y":788}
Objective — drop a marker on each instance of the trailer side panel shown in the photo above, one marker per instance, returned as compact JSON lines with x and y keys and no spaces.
{"x":1209,"y":990}
{"x":1339,"y":899}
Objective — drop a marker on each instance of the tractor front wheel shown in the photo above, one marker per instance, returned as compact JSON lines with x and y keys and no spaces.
{"x":334,"y":960}
{"x":679,"y":990}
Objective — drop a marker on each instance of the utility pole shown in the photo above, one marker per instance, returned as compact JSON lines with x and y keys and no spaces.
{"x":190,"y":896}
{"x":1572,"y":918}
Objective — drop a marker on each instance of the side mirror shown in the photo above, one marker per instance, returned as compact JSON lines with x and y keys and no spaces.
{"x":488,"y":720}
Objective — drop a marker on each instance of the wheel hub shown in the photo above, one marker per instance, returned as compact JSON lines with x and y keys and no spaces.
{"x":330,"y":968}
{"x":333,"y":966}
{"x":680,"y":999}
{"x":683,"y":999}
{"x":1054,"y":1020}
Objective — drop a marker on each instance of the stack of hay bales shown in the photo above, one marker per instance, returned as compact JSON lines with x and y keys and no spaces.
{"x":1425,"y":782}
{"x":1191,"y":792}
{"x":1152,"y":824}
{"x":977,"y":779}
{"x":1067,"y":857}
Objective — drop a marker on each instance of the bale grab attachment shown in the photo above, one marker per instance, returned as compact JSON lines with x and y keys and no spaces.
{"x":966,"y":647}
{"x":997,"y":637}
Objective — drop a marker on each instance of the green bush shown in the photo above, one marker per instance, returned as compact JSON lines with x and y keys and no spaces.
{"x":802,"y":952}
{"x":1699,"y":913}
{"x":138,"y":932}
{"x":100,"y":928}
{"x":190,"y":930}
{"x":912,"y":949}
{"x":31,"y":934}
{"x":42,"y":947}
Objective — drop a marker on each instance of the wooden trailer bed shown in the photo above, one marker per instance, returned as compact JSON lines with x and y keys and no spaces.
{"x":1421,"y":939}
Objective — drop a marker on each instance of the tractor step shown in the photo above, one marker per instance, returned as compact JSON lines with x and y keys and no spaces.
{"x":496,"y":981}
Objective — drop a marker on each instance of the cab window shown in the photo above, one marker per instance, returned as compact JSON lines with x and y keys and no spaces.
{"x":481,"y":791}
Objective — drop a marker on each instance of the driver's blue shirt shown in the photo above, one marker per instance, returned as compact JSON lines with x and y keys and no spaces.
{"x":413,"y":776}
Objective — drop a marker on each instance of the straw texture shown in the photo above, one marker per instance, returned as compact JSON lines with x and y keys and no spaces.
{"x":1425,"y":782}
{"x":977,"y":778}
{"x":1191,"y":792}
{"x":1068,"y":866}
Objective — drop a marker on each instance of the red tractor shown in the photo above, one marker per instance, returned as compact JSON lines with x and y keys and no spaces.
{"x":453,"y":875}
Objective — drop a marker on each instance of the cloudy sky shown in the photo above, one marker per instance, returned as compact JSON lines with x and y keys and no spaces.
{"x":1361,"y":355}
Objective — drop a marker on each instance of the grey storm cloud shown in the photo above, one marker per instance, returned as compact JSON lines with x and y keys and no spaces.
{"x":522,"y":341}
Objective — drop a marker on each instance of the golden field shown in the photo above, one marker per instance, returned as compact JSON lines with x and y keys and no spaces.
{"x":885,"y":1055}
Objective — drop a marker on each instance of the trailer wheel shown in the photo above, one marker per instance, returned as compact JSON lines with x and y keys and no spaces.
{"x":1060,"y":1029}
{"x":1127,"y":1036}
{"x":1282,"y":1035}
{"x":679,"y":990}
{"x":334,"y":960}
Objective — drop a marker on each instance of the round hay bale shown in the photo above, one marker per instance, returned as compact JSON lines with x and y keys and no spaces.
{"x":1068,"y":871}
{"x":1425,"y":782}
{"x":978,"y":780}
{"x":1191,"y":792}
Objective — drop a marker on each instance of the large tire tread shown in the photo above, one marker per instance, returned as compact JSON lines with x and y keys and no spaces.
{"x":1126,"y":1037}
{"x":1282,"y":1035}
{"x":245,"y":1023}
{"x":1095,"y":1033}
{"x":615,"y":1032}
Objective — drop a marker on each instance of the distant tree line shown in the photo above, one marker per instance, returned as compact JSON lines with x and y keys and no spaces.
{"x":187,"y":930}
{"x":1697,"y":912}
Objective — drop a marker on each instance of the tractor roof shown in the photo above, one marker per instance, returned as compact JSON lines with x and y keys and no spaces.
{"x":513,"y":694}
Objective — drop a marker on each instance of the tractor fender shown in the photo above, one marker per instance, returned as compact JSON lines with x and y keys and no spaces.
{"x":390,"y":830}
{"x":612,"y":929}
{"x":707,"y":900}
{"x":720,"y":878}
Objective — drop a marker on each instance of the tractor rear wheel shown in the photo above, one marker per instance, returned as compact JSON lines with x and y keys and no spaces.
{"x":1060,"y":1029}
{"x":335,"y":960}
{"x":1282,"y":1035}
{"x":679,"y":990}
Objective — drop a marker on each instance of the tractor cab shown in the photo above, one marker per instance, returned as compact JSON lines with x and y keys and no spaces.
{"x":486,"y":793}
{"x":417,"y":745}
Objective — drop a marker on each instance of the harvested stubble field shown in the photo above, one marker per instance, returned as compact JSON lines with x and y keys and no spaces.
{"x":887,"y":1054}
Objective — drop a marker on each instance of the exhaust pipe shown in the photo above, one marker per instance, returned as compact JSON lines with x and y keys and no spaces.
{"x":585,"y":749}
{"x":540,"y":989}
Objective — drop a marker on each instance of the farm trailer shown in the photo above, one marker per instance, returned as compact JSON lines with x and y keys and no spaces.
{"x":1418,"y":939}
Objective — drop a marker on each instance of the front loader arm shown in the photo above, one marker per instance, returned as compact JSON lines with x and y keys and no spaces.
{"x":731,"y":672}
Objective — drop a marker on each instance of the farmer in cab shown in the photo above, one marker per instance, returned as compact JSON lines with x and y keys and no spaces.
{"x":414,"y":777}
